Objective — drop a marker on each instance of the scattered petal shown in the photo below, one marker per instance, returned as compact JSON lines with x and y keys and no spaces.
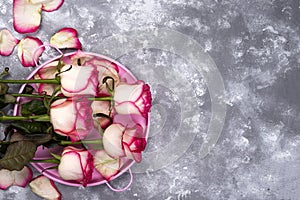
{"x":66,"y":38}
{"x":26,"y":49}
{"x":7,"y":42}
{"x":45,"y":188}
{"x":106,"y":165}
{"x":6,"y":179}
{"x":21,"y":178}
{"x":26,"y":15}
{"x":17,"y":178}
{"x":53,"y":5}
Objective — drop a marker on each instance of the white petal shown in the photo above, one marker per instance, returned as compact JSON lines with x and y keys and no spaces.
{"x":112,"y":140}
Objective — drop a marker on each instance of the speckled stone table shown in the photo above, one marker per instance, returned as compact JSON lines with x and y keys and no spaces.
{"x":255,"y":49}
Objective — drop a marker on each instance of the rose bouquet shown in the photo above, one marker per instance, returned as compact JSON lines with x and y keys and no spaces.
{"x":89,"y":115}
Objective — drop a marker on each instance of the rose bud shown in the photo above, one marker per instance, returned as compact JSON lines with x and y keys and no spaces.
{"x":119,"y":141}
{"x":133,"y":98}
{"x":72,"y":118}
{"x":76,"y":165}
{"x":79,"y":80}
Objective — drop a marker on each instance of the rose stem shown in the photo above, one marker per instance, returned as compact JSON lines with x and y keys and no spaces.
{"x":46,"y":161}
{"x":49,"y":81}
{"x":100,"y":99}
{"x":63,"y":142}
{"x":43,"y":118}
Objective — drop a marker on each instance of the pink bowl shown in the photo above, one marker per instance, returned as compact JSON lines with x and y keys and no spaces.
{"x":43,"y":153}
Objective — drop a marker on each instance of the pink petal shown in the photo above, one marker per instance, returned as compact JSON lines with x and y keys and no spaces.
{"x":53,"y":5}
{"x":7,"y":42}
{"x":79,"y":80}
{"x":106,"y":165}
{"x":66,"y":38}
{"x":6,"y":179}
{"x":128,"y":92}
{"x":26,"y":15}
{"x":47,"y":72}
{"x":45,"y":188}
{"x":112,"y":140}
{"x":26,"y":48}
{"x":127,"y":108}
{"x":21,"y":178}
{"x":132,"y":155}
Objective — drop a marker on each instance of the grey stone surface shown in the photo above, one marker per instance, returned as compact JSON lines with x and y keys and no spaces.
{"x":256,"y":47}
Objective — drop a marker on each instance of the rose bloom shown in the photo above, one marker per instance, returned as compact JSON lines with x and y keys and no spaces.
{"x":79,"y":80}
{"x":122,"y":141}
{"x":72,"y":117}
{"x":133,"y":98}
{"x":76,"y":165}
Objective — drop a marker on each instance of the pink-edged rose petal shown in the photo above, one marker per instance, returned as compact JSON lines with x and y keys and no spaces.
{"x":7,"y":42}
{"x":76,"y":165}
{"x":45,"y":188}
{"x":21,"y":178}
{"x":6,"y":179}
{"x":52,"y":5}
{"x":112,"y":140}
{"x":26,"y":49}
{"x":79,"y":80}
{"x":26,"y":15}
{"x":47,"y":72}
{"x":66,"y":38}
{"x":17,"y":178}
{"x":106,"y":165}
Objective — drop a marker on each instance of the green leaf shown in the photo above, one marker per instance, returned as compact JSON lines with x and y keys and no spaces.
{"x":18,"y":155}
{"x":36,"y":107}
{"x":2,"y":102}
{"x":28,"y":89}
{"x":37,"y":139}
{"x":26,"y":128}
{"x":3,"y":88}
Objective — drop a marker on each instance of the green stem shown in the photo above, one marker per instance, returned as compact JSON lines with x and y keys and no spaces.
{"x":52,"y":160}
{"x":63,"y":142}
{"x":49,"y":81}
{"x":31,"y":95}
{"x":101,"y":99}
{"x":41,"y":118}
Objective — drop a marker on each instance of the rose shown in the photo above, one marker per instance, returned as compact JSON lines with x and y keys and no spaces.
{"x":79,"y":80}
{"x":76,"y":165}
{"x":121,"y":141}
{"x":72,"y":117}
{"x":133,"y":98}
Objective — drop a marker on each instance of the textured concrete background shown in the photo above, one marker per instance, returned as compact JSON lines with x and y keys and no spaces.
{"x":256,"y":47}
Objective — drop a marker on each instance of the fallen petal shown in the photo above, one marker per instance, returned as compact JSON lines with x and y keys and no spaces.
{"x":53,"y":5}
{"x":106,"y":165}
{"x":6,"y":179}
{"x":7,"y":42}
{"x":26,"y":15}
{"x":66,"y":38}
{"x":26,"y":48}
{"x":45,"y":188}
{"x":21,"y":178}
